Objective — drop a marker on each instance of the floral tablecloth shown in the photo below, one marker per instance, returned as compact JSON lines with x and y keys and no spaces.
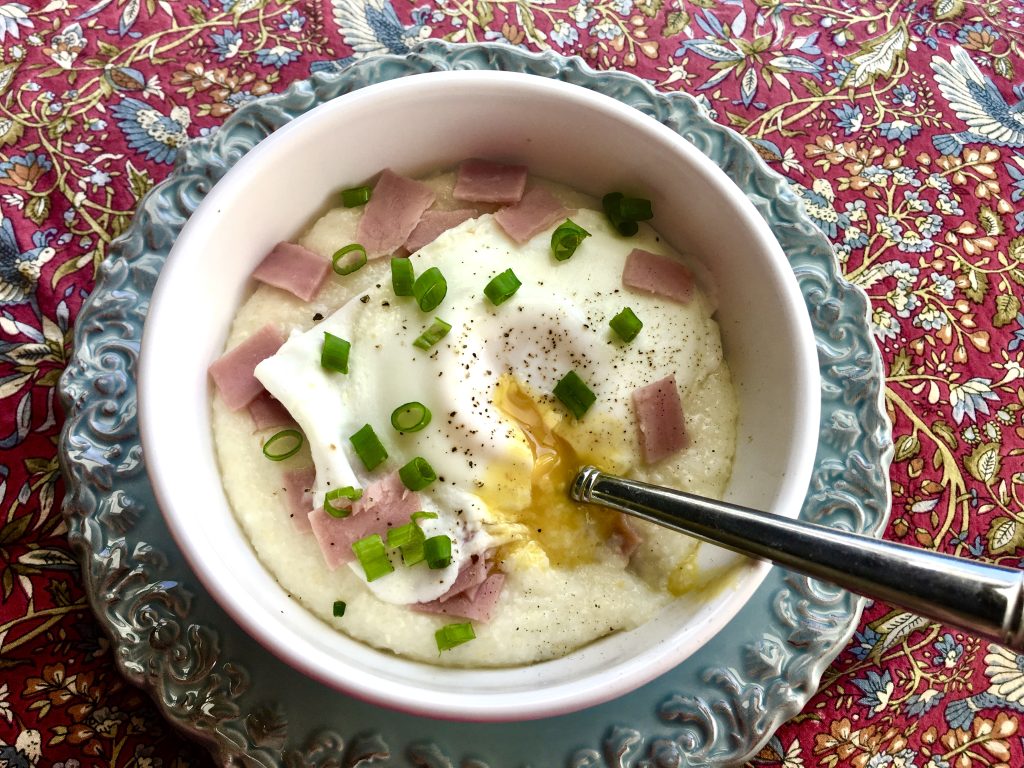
{"x":899,"y":124}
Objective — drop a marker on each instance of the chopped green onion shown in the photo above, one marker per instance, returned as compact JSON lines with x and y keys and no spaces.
{"x":402,"y":277}
{"x":349,"y":493}
{"x":339,"y":608}
{"x":412,"y":553}
{"x":451,"y":635}
{"x":368,"y":447}
{"x":438,"y":551}
{"x":501,"y":287}
{"x":334,"y":354}
{"x":566,"y":239}
{"x":346,"y":266}
{"x":403,"y":535}
{"x":288,"y":450}
{"x":624,"y":212}
{"x":574,"y":394}
{"x":437,"y":331}
{"x":417,"y":474}
{"x":354,"y":197}
{"x":626,"y":324}
{"x":424,"y":516}
{"x":411,"y":417}
{"x":430,"y":289}
{"x":373,"y":557}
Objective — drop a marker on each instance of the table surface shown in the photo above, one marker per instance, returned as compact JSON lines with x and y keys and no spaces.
{"x":894,"y":124}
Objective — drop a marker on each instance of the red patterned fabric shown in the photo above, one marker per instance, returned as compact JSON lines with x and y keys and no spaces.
{"x":861,"y":105}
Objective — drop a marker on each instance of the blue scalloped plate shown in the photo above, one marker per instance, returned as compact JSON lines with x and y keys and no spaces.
{"x":216,"y":684}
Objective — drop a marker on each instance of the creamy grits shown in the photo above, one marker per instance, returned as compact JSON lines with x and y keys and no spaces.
{"x":488,"y":385}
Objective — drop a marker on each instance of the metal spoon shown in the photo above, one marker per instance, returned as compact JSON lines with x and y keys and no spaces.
{"x":986,"y":600}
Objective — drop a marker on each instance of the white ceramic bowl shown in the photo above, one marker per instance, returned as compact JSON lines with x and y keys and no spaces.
{"x":415,"y":125}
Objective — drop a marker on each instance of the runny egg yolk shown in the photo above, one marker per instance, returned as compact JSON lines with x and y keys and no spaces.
{"x":569,"y":533}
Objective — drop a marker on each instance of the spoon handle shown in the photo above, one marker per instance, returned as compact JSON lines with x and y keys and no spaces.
{"x":986,"y":600}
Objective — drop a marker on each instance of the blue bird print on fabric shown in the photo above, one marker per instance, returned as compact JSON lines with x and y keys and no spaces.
{"x":1005,"y":672}
{"x":370,"y":28}
{"x":976,"y":101}
{"x":152,"y":132}
{"x":19,"y":270}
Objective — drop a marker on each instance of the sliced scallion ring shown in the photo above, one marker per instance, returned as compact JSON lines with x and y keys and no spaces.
{"x":368,"y":447}
{"x":348,"y":493}
{"x":417,"y":474}
{"x":501,"y":287}
{"x":402,"y":277}
{"x":574,"y":394}
{"x":451,"y":635}
{"x":437,"y":331}
{"x":356,"y":196}
{"x":624,"y":212}
{"x":626,"y":324}
{"x":292,"y":441}
{"x":438,"y":552}
{"x":411,"y":417}
{"x":566,"y":239}
{"x":339,"y":608}
{"x":430,"y":289}
{"x":349,"y":258}
{"x":373,"y":557}
{"x":334,"y":353}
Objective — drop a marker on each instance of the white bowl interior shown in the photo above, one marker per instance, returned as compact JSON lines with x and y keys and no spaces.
{"x":415,"y":125}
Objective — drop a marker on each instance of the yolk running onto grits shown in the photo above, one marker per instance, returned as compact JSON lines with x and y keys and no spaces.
{"x":569,"y":533}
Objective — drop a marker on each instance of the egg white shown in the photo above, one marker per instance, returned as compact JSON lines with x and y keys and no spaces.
{"x":557,"y":321}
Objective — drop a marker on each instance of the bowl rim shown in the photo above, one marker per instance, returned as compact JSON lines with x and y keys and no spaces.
{"x":564,"y":697}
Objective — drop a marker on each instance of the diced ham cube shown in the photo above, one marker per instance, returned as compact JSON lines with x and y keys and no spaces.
{"x":232,"y":372}
{"x":293,"y":268}
{"x":432,"y":224}
{"x":479,"y":608}
{"x":385,"y":504}
{"x":298,"y":492}
{"x":659,"y":415}
{"x":538,"y":210}
{"x":660,"y":275}
{"x":267,"y":411}
{"x":482,"y":181}
{"x":391,"y":215}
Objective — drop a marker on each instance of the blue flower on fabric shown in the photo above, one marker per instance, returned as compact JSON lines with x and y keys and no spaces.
{"x":226,"y":44}
{"x":904,"y":95}
{"x":864,"y":642}
{"x":277,"y":57}
{"x":150,"y":131}
{"x":976,"y":30}
{"x":1018,"y":335}
{"x":877,"y":690}
{"x":850,"y":118}
{"x":293,"y":21}
{"x":922,"y":703}
{"x":949,"y":651}
{"x":841,"y":70}
{"x":899,"y":130}
{"x":969,"y":398}
{"x":1018,"y":177}
{"x":563,"y":34}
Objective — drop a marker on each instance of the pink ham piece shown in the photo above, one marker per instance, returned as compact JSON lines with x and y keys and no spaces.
{"x":232,"y":372}
{"x":392,"y":214}
{"x":538,"y":210}
{"x":479,"y":608}
{"x":432,"y":224}
{"x":385,"y":504}
{"x":298,"y":494}
{"x":659,"y":415}
{"x":267,"y":411}
{"x":482,"y":181}
{"x":293,"y":268}
{"x":660,"y":275}
{"x":624,"y":537}
{"x":468,"y":581}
